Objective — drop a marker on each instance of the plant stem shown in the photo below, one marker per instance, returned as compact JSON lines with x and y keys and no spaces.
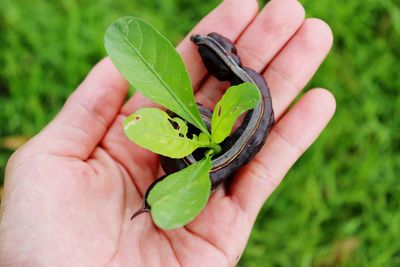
{"x":217,"y":148}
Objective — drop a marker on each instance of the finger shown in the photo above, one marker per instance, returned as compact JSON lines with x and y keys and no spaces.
{"x":269,"y":32}
{"x":231,"y":17}
{"x":261,"y":41}
{"x":87,"y":114}
{"x":294,"y":66}
{"x":288,"y":140}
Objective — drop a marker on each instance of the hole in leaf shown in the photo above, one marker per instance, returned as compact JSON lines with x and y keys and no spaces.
{"x":181,"y":135}
{"x":189,"y":135}
{"x":137,"y":117}
{"x":219,"y":111}
{"x":174,"y":124}
{"x":198,"y":154}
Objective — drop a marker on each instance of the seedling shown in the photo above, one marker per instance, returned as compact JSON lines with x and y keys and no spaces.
{"x":152,"y":65}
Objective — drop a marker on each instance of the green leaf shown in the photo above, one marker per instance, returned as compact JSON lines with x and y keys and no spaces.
{"x":152,"y":65}
{"x":181,"y":196}
{"x":236,"y":100}
{"x":153,"y":129}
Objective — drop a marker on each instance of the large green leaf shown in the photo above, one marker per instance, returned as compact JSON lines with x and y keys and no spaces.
{"x":152,"y":65}
{"x":236,"y":100}
{"x":181,"y":196}
{"x":153,"y":129}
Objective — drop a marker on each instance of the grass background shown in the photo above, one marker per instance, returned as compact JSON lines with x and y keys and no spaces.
{"x":339,"y":205}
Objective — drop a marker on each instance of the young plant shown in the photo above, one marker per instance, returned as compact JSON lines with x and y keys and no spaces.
{"x":152,"y":65}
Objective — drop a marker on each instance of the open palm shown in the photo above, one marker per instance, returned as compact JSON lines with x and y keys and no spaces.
{"x":70,"y":191}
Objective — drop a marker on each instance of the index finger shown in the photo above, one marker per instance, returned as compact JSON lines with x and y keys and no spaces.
{"x":230,"y":18}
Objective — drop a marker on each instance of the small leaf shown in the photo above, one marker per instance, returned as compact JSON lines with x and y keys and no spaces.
{"x":236,"y":100}
{"x":152,"y":65}
{"x":153,"y":129}
{"x":180,"y":197}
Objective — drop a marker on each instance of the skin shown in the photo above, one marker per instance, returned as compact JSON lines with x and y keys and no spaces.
{"x":69,"y":192}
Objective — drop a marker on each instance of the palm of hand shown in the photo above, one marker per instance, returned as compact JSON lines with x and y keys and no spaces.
{"x":70,"y":191}
{"x":83,"y":208}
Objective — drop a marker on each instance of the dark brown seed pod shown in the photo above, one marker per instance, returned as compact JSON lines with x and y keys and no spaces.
{"x":220,"y":57}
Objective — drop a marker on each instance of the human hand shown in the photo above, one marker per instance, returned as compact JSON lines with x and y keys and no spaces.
{"x":70,"y":191}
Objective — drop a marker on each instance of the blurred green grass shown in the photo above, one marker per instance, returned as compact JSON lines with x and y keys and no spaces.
{"x":339,"y":205}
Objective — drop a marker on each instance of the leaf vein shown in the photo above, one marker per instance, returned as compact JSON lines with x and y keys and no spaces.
{"x":183,"y":107}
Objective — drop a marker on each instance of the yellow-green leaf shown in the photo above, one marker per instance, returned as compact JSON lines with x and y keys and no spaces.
{"x":236,"y":100}
{"x":154,"y":129}
{"x":181,"y":196}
